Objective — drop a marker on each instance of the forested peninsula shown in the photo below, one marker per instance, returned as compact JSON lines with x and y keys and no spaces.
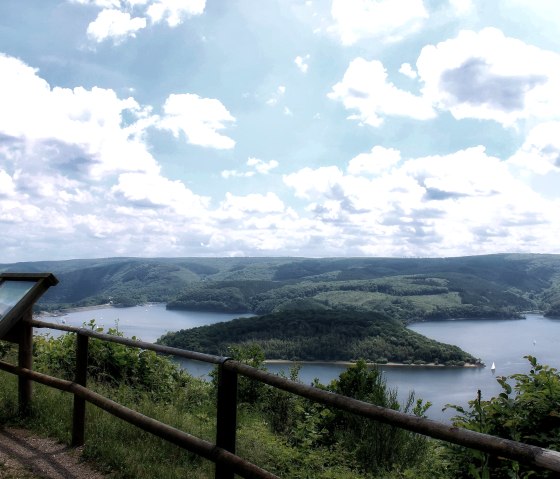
{"x":311,"y":335}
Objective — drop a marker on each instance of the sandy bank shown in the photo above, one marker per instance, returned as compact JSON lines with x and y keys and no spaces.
{"x":390,"y":365}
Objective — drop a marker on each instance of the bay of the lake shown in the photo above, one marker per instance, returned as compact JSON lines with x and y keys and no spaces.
{"x":503,"y":342}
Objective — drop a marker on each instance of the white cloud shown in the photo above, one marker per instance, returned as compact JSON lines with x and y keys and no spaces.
{"x":7,"y":185}
{"x":143,"y":190}
{"x":200,"y":119}
{"x":115,"y":20}
{"x":237,"y":206}
{"x":462,"y":7}
{"x":82,"y":131}
{"x":374,"y":162}
{"x":389,"y":20}
{"x":484,"y":75}
{"x":407,"y":70}
{"x":365,"y":88}
{"x":173,"y":11}
{"x":540,"y":153}
{"x":262,"y":167}
{"x":302,"y":63}
{"x":487,"y":75}
{"x":275,"y":98}
{"x":256,"y":165}
{"x":114,"y":24}
{"x":424,"y":206}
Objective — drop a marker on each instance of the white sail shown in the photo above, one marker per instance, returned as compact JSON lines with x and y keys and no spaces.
{"x":493,"y":368}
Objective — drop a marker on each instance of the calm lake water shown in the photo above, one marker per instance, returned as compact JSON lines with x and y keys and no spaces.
{"x":503,"y":342}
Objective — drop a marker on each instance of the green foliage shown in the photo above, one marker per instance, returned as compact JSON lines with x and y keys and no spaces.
{"x":320,"y":335}
{"x":403,"y":288}
{"x":301,"y":448}
{"x":376,"y":446}
{"x":527,"y":412}
{"x":110,"y":363}
{"x":248,"y":390}
{"x":5,"y":348}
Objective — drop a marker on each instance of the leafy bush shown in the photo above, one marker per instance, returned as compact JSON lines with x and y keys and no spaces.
{"x":110,"y":363}
{"x":528,"y":412}
{"x":376,"y":446}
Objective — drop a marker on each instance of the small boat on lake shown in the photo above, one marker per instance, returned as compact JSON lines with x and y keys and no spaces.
{"x":493,"y":368}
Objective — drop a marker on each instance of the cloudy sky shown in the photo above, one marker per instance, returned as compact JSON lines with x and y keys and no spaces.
{"x":278,"y":127}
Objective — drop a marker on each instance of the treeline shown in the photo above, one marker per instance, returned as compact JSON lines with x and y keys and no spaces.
{"x":409,"y":289}
{"x":408,"y":298}
{"x":304,"y":335}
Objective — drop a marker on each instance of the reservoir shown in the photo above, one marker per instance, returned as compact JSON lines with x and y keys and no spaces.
{"x":503,"y":342}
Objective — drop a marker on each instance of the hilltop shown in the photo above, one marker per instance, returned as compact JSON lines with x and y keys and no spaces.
{"x":410,"y":289}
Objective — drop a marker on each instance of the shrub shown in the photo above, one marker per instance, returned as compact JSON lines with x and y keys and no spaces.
{"x":527,"y":412}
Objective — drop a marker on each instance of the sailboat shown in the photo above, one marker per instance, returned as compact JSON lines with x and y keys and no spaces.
{"x":493,"y":368}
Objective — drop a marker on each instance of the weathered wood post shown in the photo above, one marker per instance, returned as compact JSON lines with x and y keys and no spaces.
{"x":25,"y":360}
{"x":226,"y":421}
{"x":79,"y":415}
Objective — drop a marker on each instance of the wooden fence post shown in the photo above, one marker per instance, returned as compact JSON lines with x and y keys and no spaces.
{"x":25,"y":360}
{"x":226,"y":421}
{"x":79,"y":415}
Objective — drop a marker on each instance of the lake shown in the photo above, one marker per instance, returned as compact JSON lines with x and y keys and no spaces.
{"x":503,"y":342}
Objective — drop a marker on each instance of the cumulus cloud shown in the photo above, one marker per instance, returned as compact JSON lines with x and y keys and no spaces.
{"x":173,"y":11}
{"x":200,"y":119}
{"x":114,"y":24}
{"x":424,"y":206}
{"x":256,"y":166}
{"x":365,"y":89}
{"x":540,"y":153}
{"x":486,"y":75}
{"x":154,"y":191}
{"x":376,"y":161}
{"x":81,"y":130}
{"x":482,"y":75}
{"x":252,"y":203}
{"x":302,"y":63}
{"x":407,"y":70}
{"x":388,"y":20}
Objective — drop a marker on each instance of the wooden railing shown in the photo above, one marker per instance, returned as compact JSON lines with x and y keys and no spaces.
{"x":222,"y":453}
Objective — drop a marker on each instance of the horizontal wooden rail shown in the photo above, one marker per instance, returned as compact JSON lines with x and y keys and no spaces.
{"x":194,"y":444}
{"x":534,"y":455}
{"x":183,"y":353}
{"x":517,"y":451}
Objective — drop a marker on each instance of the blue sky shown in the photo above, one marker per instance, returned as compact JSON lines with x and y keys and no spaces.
{"x":409,"y":128}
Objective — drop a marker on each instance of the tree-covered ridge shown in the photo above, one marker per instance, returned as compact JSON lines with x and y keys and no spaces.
{"x":406,"y":288}
{"x":321,"y":335}
{"x":404,"y":297}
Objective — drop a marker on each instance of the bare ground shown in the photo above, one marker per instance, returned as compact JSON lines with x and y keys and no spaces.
{"x":25,"y":456}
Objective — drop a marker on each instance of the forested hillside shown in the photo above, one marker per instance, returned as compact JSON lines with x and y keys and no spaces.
{"x":321,"y":335}
{"x":409,"y":289}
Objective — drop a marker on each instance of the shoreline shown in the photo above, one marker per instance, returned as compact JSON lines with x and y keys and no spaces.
{"x":390,"y":364}
{"x":79,"y":309}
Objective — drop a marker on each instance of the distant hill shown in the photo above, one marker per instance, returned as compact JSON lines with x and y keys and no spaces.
{"x":501,"y":285}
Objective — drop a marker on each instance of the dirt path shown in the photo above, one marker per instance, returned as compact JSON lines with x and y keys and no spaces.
{"x":24,"y":456}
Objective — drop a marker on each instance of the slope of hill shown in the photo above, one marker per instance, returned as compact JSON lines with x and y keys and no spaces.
{"x":321,"y":335}
{"x":410,"y":289}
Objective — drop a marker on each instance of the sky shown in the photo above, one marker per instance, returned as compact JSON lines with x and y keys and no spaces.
{"x":400,"y":128}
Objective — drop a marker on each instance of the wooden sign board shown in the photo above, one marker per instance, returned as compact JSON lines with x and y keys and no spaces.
{"x":18,"y":294}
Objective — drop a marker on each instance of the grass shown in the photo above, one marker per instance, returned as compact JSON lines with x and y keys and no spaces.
{"x":126,"y":452}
